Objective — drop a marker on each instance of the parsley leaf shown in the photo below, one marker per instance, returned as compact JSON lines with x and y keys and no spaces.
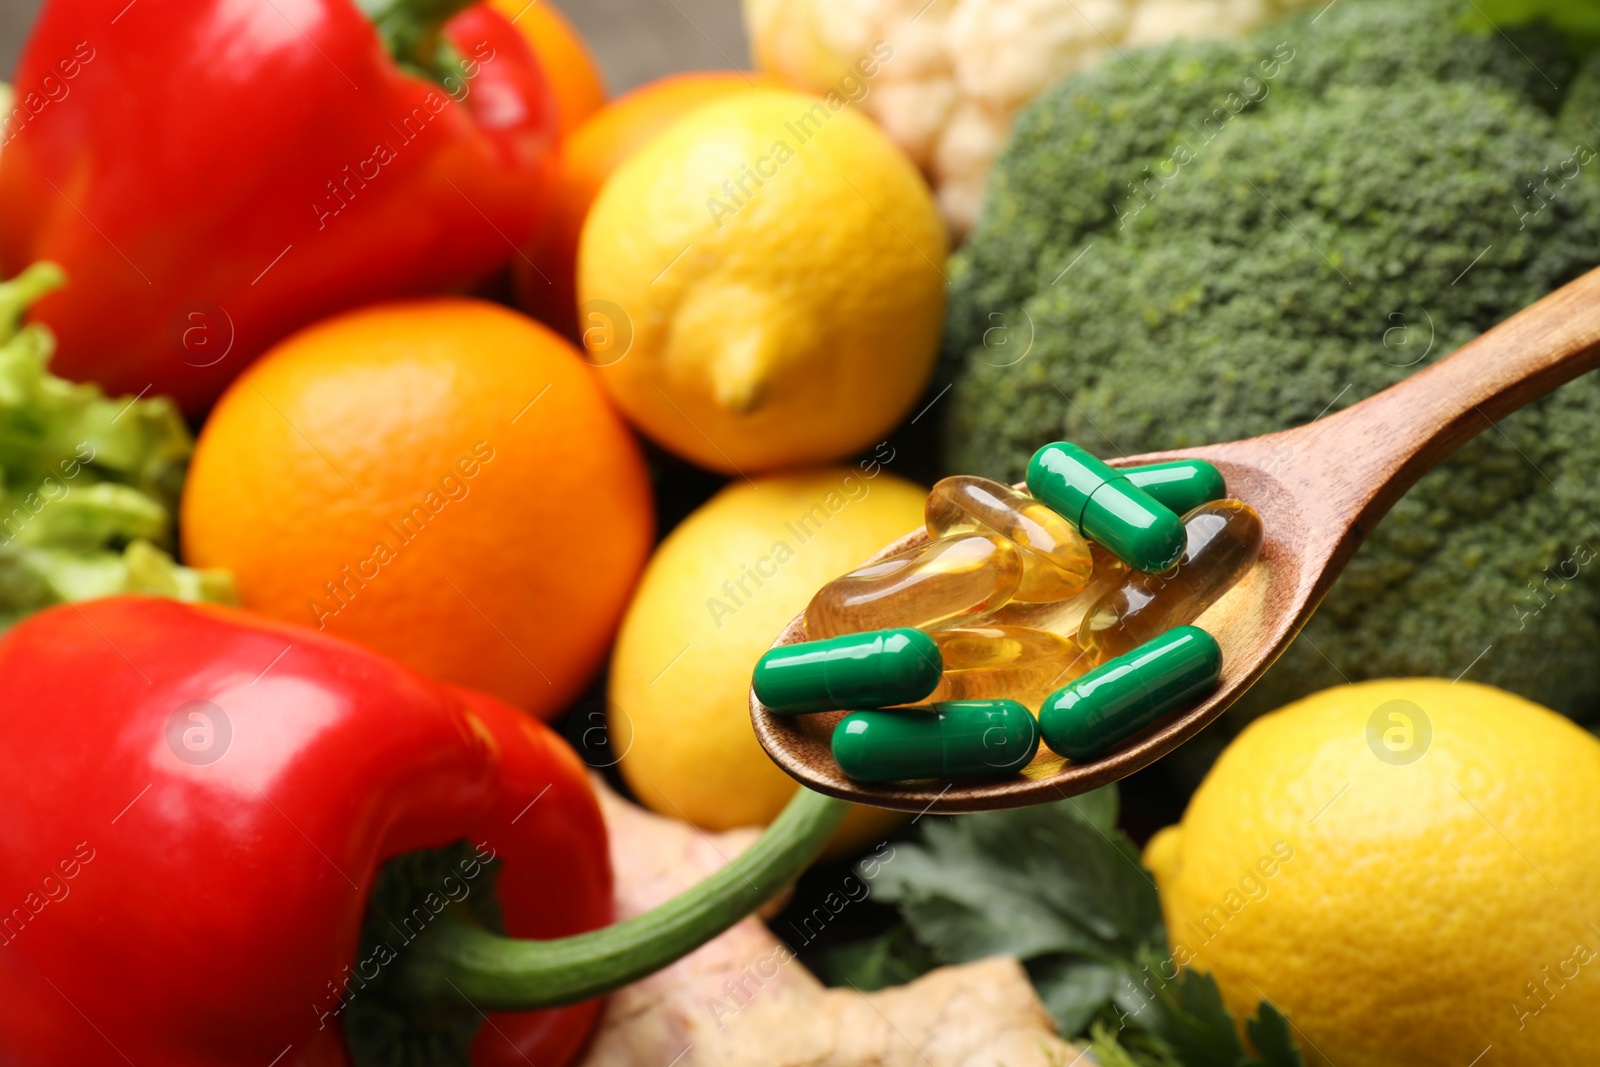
{"x":1061,"y":888}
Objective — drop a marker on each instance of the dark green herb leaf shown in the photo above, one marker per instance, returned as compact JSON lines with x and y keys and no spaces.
{"x":1269,"y":1033}
{"x":1073,"y":989}
{"x":1188,"y":1014}
{"x":1053,"y":879}
{"x":1061,"y":888}
{"x":892,"y":958}
{"x":1117,"y":1047}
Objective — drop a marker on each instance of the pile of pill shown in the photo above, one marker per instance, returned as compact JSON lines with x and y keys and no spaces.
{"x":939,"y":683}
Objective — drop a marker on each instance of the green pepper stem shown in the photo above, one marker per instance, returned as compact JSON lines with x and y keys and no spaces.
{"x":457,"y":958}
{"x":410,"y":32}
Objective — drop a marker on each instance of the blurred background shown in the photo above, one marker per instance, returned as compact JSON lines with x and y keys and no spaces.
{"x":15,"y":17}
{"x":635,"y":40}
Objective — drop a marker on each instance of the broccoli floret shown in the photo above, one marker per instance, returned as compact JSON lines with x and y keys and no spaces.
{"x":1161,"y":264}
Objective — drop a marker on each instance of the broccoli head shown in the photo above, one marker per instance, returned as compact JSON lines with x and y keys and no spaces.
{"x":1209,"y":241}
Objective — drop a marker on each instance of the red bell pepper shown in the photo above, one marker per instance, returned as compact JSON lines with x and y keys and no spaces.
{"x":214,"y":174}
{"x":233,"y":842}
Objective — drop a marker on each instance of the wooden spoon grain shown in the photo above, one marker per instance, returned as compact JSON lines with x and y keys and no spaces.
{"x":1319,"y":488}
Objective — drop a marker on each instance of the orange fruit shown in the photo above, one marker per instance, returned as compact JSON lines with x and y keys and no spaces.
{"x":575,"y":80}
{"x":544,"y":282}
{"x":440,"y":479}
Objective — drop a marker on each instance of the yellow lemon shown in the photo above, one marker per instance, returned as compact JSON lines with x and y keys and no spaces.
{"x":713,"y":598}
{"x":762,"y":284}
{"x":1409,"y":869}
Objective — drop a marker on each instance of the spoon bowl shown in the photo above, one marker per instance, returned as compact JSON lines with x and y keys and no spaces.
{"x":1319,"y":489}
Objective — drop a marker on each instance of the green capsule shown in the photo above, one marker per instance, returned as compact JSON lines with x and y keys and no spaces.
{"x":1124,"y":695}
{"x":951,"y":739}
{"x":866,"y":670}
{"x":1180,"y":484}
{"x":1106,"y":507}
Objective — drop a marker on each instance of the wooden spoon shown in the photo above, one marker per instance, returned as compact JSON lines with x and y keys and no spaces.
{"x":1319,"y":488}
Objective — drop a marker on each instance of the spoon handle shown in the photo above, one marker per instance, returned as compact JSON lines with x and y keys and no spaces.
{"x":1365,"y":457}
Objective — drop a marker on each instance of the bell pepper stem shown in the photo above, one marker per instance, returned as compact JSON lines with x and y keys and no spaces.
{"x":410,"y":31}
{"x":457,"y":958}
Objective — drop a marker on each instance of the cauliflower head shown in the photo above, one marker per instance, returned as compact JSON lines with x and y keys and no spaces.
{"x":959,"y":70}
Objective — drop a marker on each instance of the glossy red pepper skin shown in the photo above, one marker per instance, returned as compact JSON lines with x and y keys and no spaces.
{"x":191,"y":176}
{"x":164,"y":910}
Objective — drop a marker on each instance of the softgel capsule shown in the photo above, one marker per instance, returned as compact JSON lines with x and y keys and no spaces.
{"x":1055,"y":559}
{"x":1223,"y":539}
{"x":952,"y":578}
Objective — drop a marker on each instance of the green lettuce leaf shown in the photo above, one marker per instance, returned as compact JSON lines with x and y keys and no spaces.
{"x":89,"y":485}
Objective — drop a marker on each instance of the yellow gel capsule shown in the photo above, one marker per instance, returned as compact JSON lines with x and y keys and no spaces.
{"x":1011,"y":662}
{"x":1055,"y":557}
{"x":1066,"y":616}
{"x":927,"y":587}
{"x":1223,"y":538}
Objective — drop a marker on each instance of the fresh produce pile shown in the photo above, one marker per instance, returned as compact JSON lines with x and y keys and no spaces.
{"x":408,"y":457}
